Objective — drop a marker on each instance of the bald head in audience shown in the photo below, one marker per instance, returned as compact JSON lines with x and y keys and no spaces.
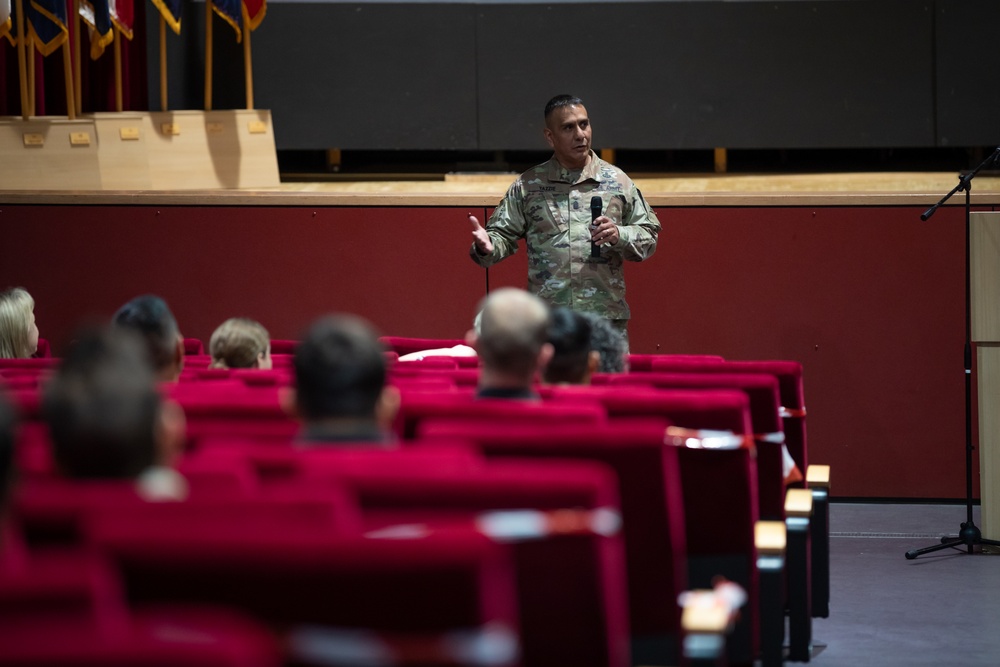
{"x":512,"y":343}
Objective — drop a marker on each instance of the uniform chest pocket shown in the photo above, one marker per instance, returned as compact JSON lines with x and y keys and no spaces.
{"x":547,"y":212}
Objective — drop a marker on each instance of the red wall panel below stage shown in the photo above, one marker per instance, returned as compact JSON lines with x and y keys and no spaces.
{"x":869,"y":299}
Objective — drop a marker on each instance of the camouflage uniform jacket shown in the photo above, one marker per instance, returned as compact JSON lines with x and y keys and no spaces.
{"x":549,"y":207}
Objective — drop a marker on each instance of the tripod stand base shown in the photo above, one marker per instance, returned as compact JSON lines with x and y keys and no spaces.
{"x":969,"y":535}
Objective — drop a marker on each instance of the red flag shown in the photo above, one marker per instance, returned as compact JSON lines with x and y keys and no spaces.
{"x":123,"y":15}
{"x":255,"y":12}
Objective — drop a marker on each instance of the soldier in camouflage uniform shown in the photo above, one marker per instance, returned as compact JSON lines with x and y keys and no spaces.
{"x":549,"y":207}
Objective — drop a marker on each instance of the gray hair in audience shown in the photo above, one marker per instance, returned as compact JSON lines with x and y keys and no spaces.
{"x":513,"y":329}
{"x":238,"y":343}
{"x":16,"y":308}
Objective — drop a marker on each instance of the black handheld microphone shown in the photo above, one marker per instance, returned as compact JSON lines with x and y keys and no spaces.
{"x":596,"y":204}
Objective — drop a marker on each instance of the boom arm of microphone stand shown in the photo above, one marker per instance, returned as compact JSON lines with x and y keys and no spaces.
{"x":963,"y":183}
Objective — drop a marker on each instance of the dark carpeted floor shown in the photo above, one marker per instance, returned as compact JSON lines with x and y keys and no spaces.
{"x":939,"y":609}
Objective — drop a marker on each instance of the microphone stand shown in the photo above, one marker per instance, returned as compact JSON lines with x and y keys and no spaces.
{"x":969,"y":534}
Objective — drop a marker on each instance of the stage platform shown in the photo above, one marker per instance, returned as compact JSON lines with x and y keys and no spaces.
{"x":484,"y":190}
{"x":834,"y":270}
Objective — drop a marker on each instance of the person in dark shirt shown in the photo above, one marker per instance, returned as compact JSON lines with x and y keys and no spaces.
{"x":512,"y":344}
{"x":340,"y":391}
{"x":108,"y":421}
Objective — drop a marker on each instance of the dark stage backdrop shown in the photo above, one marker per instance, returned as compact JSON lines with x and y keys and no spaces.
{"x":667,"y":74}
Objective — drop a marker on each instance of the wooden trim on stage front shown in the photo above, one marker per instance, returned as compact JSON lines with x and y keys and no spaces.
{"x":289,"y":198}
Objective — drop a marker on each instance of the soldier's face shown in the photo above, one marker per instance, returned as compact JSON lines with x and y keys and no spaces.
{"x":568,"y":132}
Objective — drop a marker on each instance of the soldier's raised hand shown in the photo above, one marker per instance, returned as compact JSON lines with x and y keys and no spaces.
{"x":484,"y":246}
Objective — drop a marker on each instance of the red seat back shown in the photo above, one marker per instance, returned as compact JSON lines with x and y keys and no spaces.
{"x":790,"y":389}
{"x":294,"y":580}
{"x":652,"y":504}
{"x":571,"y":582}
{"x":402,"y":345}
{"x":765,"y":415}
{"x":417,"y":407}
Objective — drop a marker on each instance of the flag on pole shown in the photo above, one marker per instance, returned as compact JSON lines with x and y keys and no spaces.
{"x":48,"y":24}
{"x":123,"y":16}
{"x":231,"y":12}
{"x":5,"y":20}
{"x":97,"y":15}
{"x":170,"y":10}
{"x":255,"y":11}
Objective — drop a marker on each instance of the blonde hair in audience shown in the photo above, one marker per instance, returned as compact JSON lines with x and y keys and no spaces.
{"x":239,"y":343}
{"x":16,"y":308}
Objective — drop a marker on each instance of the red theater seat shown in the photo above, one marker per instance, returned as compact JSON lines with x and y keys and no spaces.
{"x":153,"y":638}
{"x":418,"y":407}
{"x":719,"y":502}
{"x":53,"y":510}
{"x":765,"y":413}
{"x":44,"y":349}
{"x":66,"y":608}
{"x":402,"y":345}
{"x":328,"y":594}
{"x":193,"y":346}
{"x":33,"y":363}
{"x":561,"y":519}
{"x":279,"y":464}
{"x":283,"y":346}
{"x":651,"y":501}
{"x":793,"y":415}
{"x":644,"y":362}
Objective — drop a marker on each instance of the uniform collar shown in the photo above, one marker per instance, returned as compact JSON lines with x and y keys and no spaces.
{"x":559,"y":174}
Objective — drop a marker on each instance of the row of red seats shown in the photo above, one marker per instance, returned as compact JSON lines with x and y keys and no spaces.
{"x":647,"y":595}
{"x":407,"y":497}
{"x":573,"y":411}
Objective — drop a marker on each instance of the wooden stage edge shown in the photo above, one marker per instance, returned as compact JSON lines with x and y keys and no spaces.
{"x":772,"y":190}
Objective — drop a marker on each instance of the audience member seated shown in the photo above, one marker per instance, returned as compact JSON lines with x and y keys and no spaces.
{"x":512,"y":344}
{"x":150,"y":317}
{"x":108,"y":421}
{"x":453,"y":351}
{"x":240,"y":343}
{"x":18,"y":331}
{"x":608,"y":342}
{"x":573,"y":361}
{"x":340,"y":392}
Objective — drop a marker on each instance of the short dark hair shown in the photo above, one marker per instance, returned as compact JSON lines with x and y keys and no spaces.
{"x":149,"y":316}
{"x":101,"y":408}
{"x":339,"y":369}
{"x":7,"y":423}
{"x":569,"y":334}
{"x":561,"y":101}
